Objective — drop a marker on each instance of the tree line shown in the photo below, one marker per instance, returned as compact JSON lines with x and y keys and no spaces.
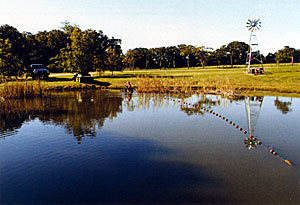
{"x":235,"y":53}
{"x":71,"y":49}
{"x":68,"y":49}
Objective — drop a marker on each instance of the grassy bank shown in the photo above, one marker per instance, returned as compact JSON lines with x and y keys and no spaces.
{"x":283,"y":80}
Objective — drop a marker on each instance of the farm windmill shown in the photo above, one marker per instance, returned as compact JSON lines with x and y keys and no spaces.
{"x":254,"y":57}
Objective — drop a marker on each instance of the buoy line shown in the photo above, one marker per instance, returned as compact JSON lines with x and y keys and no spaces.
{"x":252,"y":138}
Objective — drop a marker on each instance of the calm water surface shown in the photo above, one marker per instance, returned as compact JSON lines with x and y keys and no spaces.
{"x":107,"y":147}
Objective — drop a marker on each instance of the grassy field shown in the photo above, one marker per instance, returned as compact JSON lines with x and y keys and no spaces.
{"x":283,"y":80}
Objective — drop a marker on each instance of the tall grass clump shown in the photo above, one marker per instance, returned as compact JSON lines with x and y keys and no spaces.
{"x":21,"y":90}
{"x":164,"y":84}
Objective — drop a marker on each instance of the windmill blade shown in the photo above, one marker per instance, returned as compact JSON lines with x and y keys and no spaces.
{"x":253,"y":24}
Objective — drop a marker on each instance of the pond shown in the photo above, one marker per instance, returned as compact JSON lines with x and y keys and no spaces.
{"x":109,"y":147}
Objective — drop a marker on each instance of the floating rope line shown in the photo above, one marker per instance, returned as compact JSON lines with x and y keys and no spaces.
{"x":252,"y":138}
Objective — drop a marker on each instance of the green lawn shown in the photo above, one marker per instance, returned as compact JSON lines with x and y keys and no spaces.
{"x":282,"y":80}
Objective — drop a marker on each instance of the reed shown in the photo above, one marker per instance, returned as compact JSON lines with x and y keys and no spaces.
{"x":158,"y":84}
{"x":27,"y":89}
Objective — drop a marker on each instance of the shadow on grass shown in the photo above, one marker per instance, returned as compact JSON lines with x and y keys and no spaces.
{"x":119,"y":76}
{"x":93,"y":82}
{"x":55,"y":79}
{"x":105,"y":84}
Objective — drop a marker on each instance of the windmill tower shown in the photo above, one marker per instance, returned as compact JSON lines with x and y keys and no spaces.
{"x":254,"y":59}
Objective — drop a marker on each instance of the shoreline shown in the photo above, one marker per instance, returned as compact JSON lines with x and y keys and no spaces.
{"x":230,"y":93}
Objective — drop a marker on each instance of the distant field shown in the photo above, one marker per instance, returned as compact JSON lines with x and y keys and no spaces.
{"x":282,"y":80}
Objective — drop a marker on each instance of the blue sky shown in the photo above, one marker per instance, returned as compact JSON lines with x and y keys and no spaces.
{"x":155,"y":23}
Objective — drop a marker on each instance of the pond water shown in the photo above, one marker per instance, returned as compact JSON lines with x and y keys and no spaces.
{"x":108,"y":147}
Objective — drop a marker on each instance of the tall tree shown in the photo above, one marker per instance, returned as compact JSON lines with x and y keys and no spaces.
{"x":160,"y":57}
{"x":237,"y":51}
{"x":47,"y":45}
{"x":131,"y":58}
{"x":202,"y":54}
{"x":9,"y":62}
{"x":114,"y":60}
{"x":13,"y":42}
{"x":186,"y":52}
{"x":270,"y":58}
{"x":219,"y":55}
{"x":286,"y":54}
{"x":85,"y":51}
{"x":173,"y":53}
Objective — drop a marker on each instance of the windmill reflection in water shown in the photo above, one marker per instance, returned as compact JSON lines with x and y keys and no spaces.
{"x":253,"y":107}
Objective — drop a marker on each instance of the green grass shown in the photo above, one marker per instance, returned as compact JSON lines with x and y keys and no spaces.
{"x":281,"y":80}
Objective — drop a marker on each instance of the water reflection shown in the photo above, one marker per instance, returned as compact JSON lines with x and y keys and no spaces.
{"x":250,"y":143}
{"x":80,"y":113}
{"x":282,"y":105}
{"x":253,"y":108}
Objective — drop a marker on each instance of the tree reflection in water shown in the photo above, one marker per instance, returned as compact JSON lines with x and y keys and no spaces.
{"x":282,"y":106}
{"x":80,"y":113}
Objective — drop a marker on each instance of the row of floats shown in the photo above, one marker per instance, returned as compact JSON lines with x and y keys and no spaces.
{"x":252,"y":138}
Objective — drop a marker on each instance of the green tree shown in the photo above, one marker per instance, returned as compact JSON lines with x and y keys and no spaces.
{"x":141,"y":57}
{"x":82,"y":56}
{"x":138,"y":57}
{"x":47,"y":45}
{"x":13,"y":43}
{"x":30,"y":48}
{"x":237,"y":51}
{"x":186,"y":51}
{"x":85,"y":51}
{"x":160,"y":57}
{"x":270,"y":58}
{"x":297,"y":56}
{"x":285,"y":55}
{"x":202,"y":54}
{"x":114,"y":60}
{"x":173,"y":53}
{"x":9,"y":63}
{"x":99,"y":43}
{"x":219,"y":55}
{"x":130,"y":58}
